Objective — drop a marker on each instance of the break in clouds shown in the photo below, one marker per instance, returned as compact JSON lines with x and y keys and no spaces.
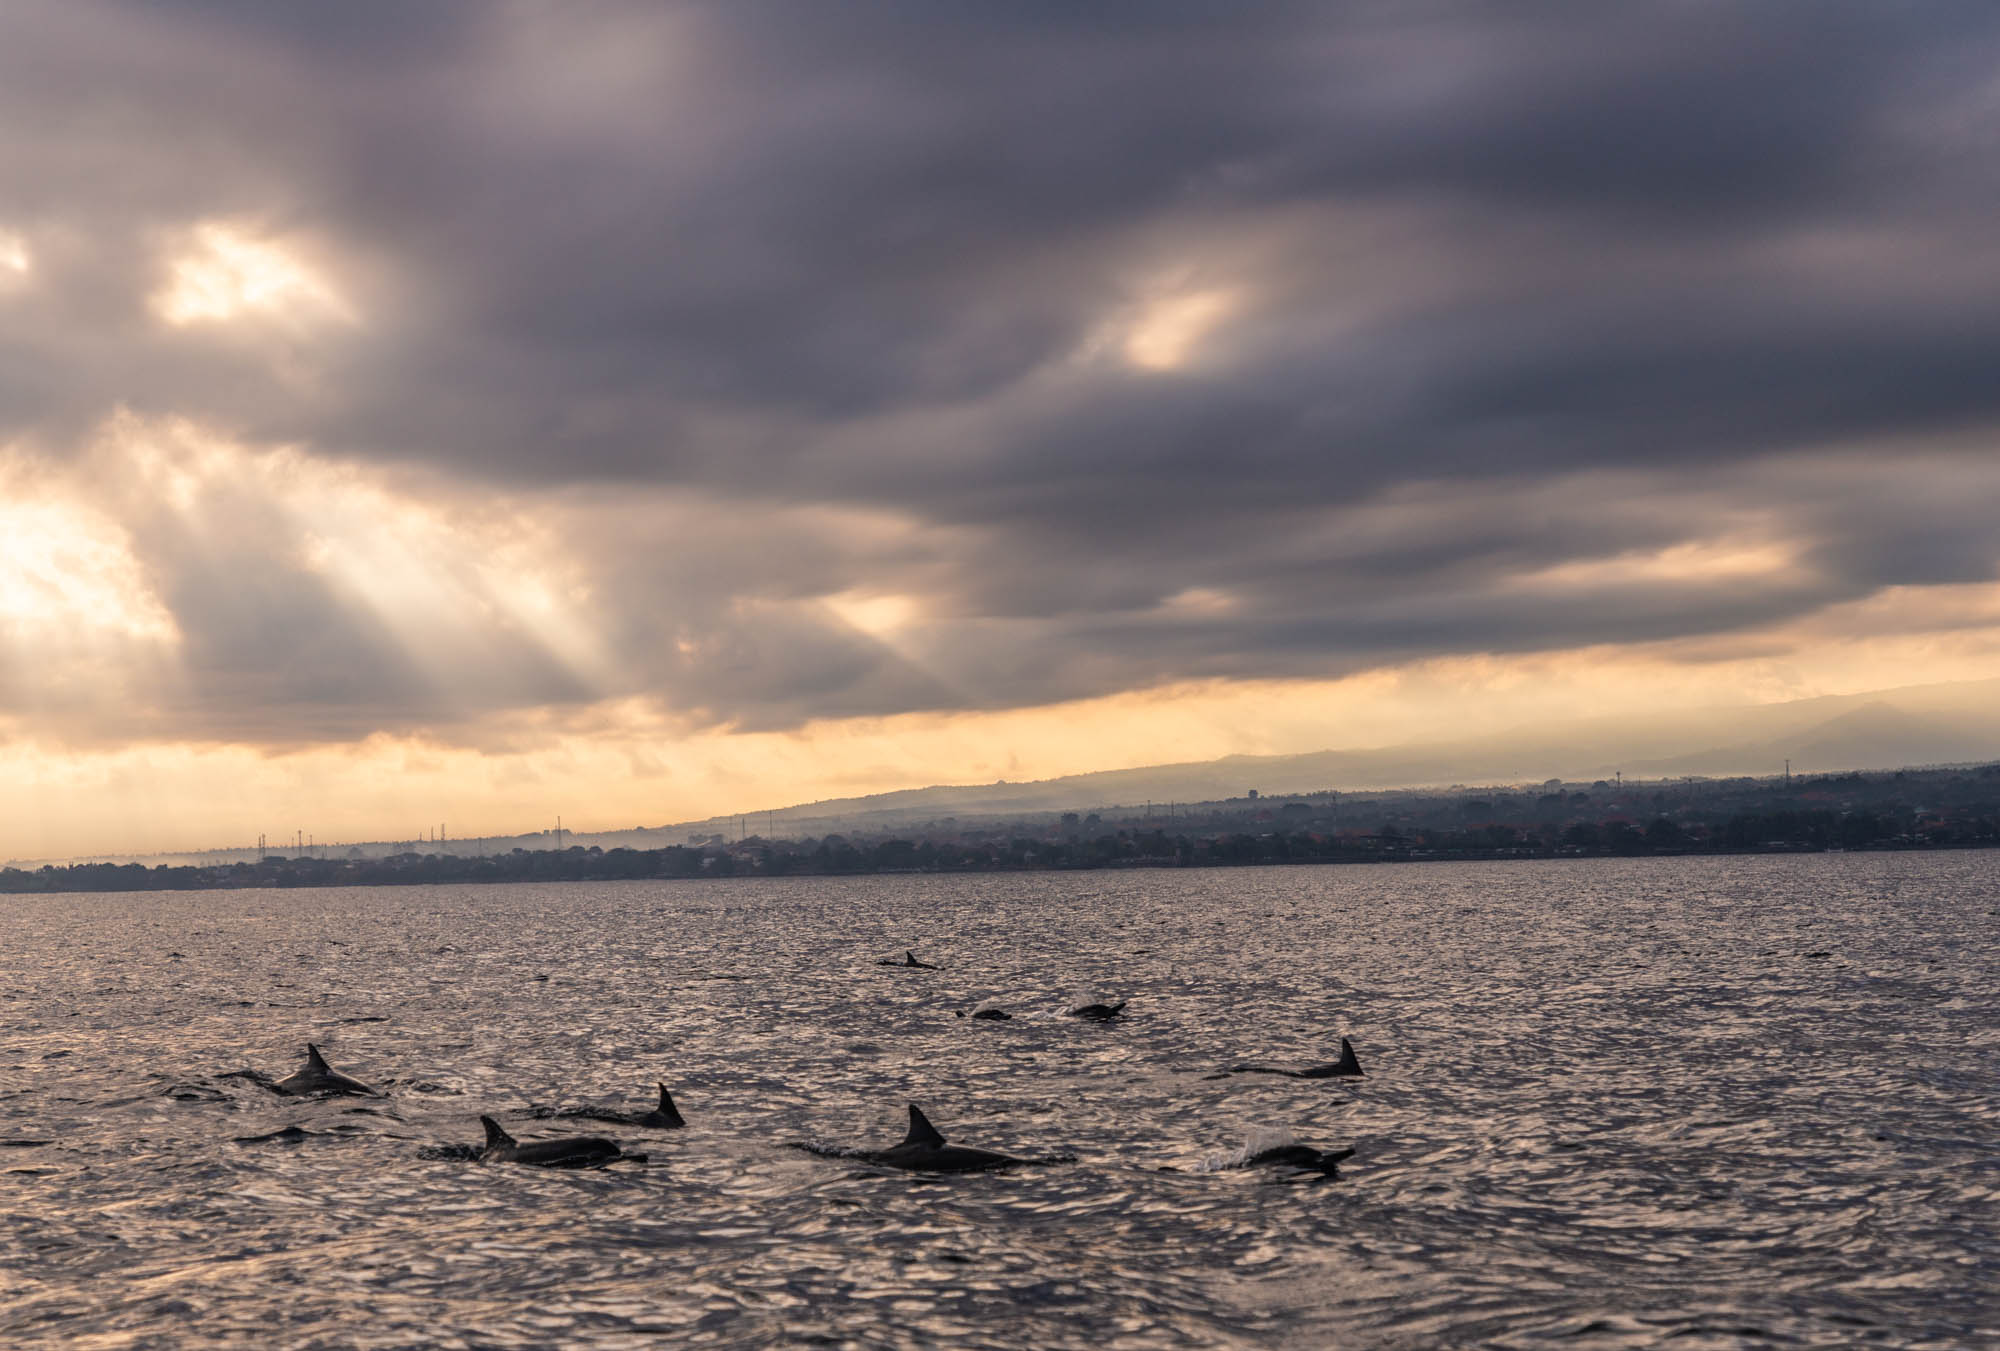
{"x":379,"y":366}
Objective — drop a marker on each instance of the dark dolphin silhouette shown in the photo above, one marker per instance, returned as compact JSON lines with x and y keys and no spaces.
{"x":582,"y":1151}
{"x":909,"y":960}
{"x":1098,"y":1013}
{"x":319,"y":1079}
{"x":1347,"y":1067}
{"x":924,"y":1151}
{"x":663,"y":1117}
{"x":1303,"y":1157}
{"x":291,"y":1135}
{"x":988,"y":1015}
{"x":666,"y":1116}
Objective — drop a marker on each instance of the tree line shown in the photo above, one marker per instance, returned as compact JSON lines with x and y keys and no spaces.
{"x":1748,"y":832}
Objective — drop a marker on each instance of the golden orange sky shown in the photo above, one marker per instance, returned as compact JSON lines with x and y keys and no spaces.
{"x":93,"y":764}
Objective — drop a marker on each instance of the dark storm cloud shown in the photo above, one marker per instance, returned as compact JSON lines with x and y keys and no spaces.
{"x":883,"y":258}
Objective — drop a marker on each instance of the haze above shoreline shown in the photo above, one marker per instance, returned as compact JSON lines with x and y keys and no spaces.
{"x":1955,"y":723}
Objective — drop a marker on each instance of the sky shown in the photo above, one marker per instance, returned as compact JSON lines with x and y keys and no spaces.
{"x":471,"y":413}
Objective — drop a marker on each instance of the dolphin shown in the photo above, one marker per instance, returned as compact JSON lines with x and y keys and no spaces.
{"x":988,"y":1015}
{"x":924,"y":1151}
{"x":581,"y":1151}
{"x":320,"y":1079}
{"x":666,"y":1116}
{"x":909,"y":960}
{"x":1347,"y":1067}
{"x":663,"y":1117}
{"x":1283,"y":1152}
{"x":1097,"y":1013}
{"x":291,"y":1135}
{"x":1303,"y":1157}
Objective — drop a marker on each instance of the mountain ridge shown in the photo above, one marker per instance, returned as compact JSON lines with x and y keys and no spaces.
{"x":1908,"y":727}
{"x":1904,"y":727}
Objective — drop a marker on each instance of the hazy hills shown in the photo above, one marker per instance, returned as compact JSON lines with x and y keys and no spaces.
{"x":1887,"y":729}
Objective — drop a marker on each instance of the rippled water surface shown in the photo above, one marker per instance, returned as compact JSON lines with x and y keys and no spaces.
{"x":1689,"y":1103}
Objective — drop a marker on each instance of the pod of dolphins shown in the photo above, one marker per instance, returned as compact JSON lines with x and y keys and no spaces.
{"x":924,"y":1149}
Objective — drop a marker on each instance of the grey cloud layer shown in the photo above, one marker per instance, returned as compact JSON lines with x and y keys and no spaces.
{"x":770,"y":257}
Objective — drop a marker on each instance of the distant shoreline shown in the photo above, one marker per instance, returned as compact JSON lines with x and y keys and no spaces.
{"x":1892,"y":811}
{"x":578,"y":864}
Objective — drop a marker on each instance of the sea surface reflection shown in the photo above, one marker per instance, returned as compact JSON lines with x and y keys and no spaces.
{"x":1687,"y":1102}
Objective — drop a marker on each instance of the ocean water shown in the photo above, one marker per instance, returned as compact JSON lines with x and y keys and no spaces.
{"x":1682,"y":1103}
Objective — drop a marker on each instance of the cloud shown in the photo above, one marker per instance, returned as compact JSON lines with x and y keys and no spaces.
{"x":783,"y":363}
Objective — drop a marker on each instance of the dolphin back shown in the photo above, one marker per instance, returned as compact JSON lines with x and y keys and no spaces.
{"x":583,"y":1151}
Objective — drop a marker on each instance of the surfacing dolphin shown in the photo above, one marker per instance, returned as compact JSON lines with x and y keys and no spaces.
{"x":924,"y":1151}
{"x":1276,"y":1149}
{"x":581,"y":1151}
{"x":292,"y":1135}
{"x":1303,"y":1157}
{"x":319,"y":1079}
{"x":1097,"y":1013}
{"x":663,"y":1117}
{"x":1347,"y":1067}
{"x":909,"y":960}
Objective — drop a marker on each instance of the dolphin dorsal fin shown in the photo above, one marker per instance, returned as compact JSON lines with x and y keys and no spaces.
{"x":922,"y":1132}
{"x":316,"y":1061}
{"x":495,"y":1137}
{"x":667,"y":1108}
{"x":910,"y":958}
{"x":1348,"y":1063}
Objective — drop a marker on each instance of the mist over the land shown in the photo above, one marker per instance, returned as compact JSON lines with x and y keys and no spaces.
{"x":1956,"y":724}
{"x":1912,"y":728}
